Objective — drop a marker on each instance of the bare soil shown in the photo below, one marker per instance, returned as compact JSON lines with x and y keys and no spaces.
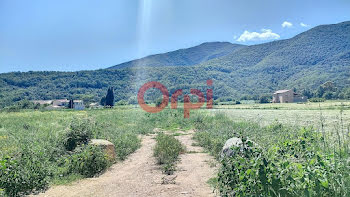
{"x":139,"y":175}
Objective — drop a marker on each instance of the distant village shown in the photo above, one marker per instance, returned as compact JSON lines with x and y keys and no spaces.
{"x":63,"y":104}
{"x":280,"y":96}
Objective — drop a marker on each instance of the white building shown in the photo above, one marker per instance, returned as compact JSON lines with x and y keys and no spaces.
{"x":78,"y":105}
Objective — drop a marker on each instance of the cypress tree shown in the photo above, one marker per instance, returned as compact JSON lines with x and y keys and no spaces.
{"x":110,"y":97}
{"x":71,"y":104}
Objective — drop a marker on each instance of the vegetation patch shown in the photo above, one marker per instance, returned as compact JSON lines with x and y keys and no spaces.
{"x":87,"y":161}
{"x":39,"y":148}
{"x":79,"y":132}
{"x":126,"y":144}
{"x":23,"y":173}
{"x":167,"y":151}
{"x":285,"y":161}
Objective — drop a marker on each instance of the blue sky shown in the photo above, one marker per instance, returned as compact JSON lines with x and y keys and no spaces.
{"x":75,"y":35}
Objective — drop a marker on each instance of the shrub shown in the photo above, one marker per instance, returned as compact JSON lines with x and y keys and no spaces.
{"x":159,"y":101}
{"x":23,"y":174}
{"x":79,"y":132}
{"x":122,"y":102}
{"x":167,"y":151}
{"x":290,"y":168}
{"x":126,"y":144}
{"x":264,"y":99}
{"x":288,"y":162}
{"x":317,"y":100}
{"x":87,"y":160}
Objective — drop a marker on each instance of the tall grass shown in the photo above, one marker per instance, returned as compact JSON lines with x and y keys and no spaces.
{"x":56,"y":141}
{"x":49,"y":147}
{"x":284,"y":161}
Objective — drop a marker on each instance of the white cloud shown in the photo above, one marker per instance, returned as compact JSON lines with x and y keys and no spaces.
{"x":303,"y":25}
{"x":266,"y":34}
{"x":287,"y":24}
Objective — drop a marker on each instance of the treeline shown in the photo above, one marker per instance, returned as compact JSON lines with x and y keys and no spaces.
{"x":91,"y":86}
{"x":328,"y":91}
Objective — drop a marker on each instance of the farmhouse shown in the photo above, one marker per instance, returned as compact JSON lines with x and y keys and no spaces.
{"x":61,"y":103}
{"x":288,"y":96}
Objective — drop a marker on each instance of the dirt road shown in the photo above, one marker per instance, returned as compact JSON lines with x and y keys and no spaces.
{"x":139,"y":175}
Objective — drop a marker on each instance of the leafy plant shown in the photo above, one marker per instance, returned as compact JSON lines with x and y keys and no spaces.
{"x":317,"y":100}
{"x":125,"y":144}
{"x":167,"y":151}
{"x":290,"y":161}
{"x":87,"y":160}
{"x":23,"y":174}
{"x":79,"y":132}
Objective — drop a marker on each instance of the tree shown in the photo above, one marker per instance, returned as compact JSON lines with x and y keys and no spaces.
{"x":264,"y":99}
{"x":307,"y":93}
{"x":103,"y":101}
{"x":159,"y":101}
{"x":110,"y":97}
{"x":71,"y":104}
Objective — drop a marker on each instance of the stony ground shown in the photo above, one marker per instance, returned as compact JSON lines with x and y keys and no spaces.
{"x":139,"y":175}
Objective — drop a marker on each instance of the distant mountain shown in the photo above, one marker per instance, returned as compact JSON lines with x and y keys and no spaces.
{"x":303,"y":62}
{"x":185,"y":57}
{"x":306,"y":60}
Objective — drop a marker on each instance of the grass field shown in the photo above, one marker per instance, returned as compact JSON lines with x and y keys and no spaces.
{"x":328,"y":113}
{"x":33,"y":153}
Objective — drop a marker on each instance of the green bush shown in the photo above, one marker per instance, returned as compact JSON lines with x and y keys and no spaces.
{"x":126,"y":144}
{"x":264,"y":99}
{"x":122,"y":102}
{"x":317,"y":100}
{"x":23,"y":174}
{"x":290,"y":168}
{"x":289,"y":161}
{"x":167,"y":151}
{"x":79,"y":132}
{"x":87,"y":160}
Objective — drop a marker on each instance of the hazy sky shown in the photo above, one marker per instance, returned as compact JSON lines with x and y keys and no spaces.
{"x":70,"y":35}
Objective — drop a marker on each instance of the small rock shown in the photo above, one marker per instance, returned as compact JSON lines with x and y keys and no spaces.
{"x":232,"y":142}
{"x":228,"y":149}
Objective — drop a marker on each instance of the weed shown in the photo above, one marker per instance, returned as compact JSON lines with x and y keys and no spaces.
{"x":167,"y":151}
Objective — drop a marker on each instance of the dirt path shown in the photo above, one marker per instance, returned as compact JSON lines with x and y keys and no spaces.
{"x":139,"y":175}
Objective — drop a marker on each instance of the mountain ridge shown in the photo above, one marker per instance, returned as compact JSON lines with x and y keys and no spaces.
{"x":184,"y":57}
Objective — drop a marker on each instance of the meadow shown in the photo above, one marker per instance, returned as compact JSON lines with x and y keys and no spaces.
{"x":298,"y":149}
{"x":327,"y":114}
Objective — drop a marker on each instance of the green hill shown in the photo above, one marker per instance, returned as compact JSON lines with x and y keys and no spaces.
{"x":303,"y":62}
{"x":185,"y":57}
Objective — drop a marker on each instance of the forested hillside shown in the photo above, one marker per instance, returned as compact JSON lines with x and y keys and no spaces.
{"x":185,"y":57}
{"x":303,"y":62}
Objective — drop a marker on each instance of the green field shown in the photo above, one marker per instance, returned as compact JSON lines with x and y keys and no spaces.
{"x":33,"y":151}
{"x":328,"y":113}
